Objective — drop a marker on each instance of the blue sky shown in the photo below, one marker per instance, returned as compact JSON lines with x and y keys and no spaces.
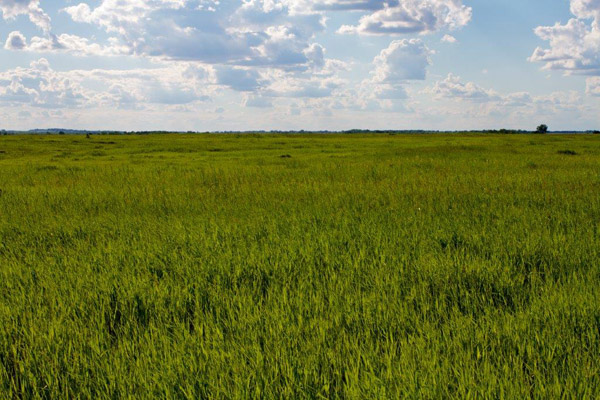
{"x":299,"y":64}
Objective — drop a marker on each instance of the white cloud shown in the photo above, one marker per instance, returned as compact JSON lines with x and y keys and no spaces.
{"x":63,"y":43}
{"x":574,"y":46}
{"x":411,"y":16}
{"x":13,"y":8}
{"x":315,"y":53}
{"x":593,"y":86}
{"x":452,"y":87}
{"x":449,"y":39}
{"x":389,"y":92}
{"x":15,"y":41}
{"x":586,"y":8}
{"x":401,"y":61}
{"x":393,"y":69}
{"x":302,"y":86}
{"x":468,"y":98}
{"x":41,"y":86}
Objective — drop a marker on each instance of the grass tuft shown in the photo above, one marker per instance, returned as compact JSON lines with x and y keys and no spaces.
{"x":568,"y":152}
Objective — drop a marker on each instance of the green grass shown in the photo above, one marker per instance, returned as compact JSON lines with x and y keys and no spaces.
{"x":326,"y":266}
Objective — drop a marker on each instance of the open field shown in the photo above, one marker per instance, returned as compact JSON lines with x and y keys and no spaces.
{"x":328,"y":266}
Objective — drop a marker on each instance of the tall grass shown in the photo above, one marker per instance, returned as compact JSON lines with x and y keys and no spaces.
{"x":178,"y":266}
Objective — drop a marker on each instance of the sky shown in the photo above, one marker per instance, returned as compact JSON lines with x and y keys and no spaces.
{"x":214,"y":65}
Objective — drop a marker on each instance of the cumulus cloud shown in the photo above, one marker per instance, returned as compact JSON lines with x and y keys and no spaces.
{"x":593,"y":86}
{"x":393,"y":69}
{"x":40,"y":85}
{"x":489,"y":102}
{"x":411,"y":16}
{"x":15,"y":41}
{"x":575,"y":46}
{"x":471,"y":105}
{"x":402,"y":60}
{"x":452,"y":87}
{"x":315,"y":53}
{"x":585,"y":8}
{"x":449,"y":39}
{"x":389,"y":92}
{"x":63,"y":43}
{"x":173,"y":84}
{"x":302,"y":86}
{"x":13,"y":8}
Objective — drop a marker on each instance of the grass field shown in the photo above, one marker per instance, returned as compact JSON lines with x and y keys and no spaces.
{"x":326,"y":266}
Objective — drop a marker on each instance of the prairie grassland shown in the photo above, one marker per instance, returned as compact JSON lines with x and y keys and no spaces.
{"x":326,"y":266}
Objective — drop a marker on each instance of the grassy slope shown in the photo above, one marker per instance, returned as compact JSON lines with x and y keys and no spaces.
{"x":359,"y":267}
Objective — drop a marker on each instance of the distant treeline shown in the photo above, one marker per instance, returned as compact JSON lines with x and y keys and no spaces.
{"x":302,"y":131}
